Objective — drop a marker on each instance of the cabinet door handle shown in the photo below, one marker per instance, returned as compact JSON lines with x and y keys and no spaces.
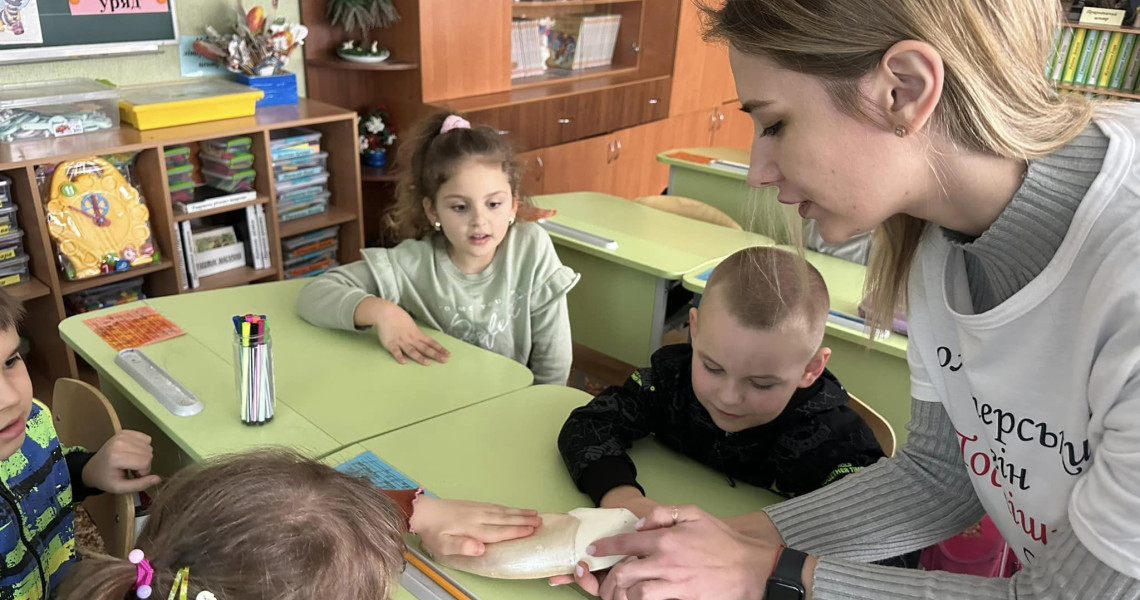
{"x":653,"y":100}
{"x":610,"y":157}
{"x":617,"y":154}
{"x":504,"y":131}
{"x":636,"y":47}
{"x":712,"y":121}
{"x":541,"y":168}
{"x":563,"y":121}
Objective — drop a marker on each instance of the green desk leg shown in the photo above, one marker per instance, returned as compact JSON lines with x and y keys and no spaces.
{"x":732,"y":196}
{"x":615,"y":310}
{"x":878,"y":379}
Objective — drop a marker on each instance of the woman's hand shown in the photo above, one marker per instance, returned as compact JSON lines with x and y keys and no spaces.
{"x":463,"y":527}
{"x":400,"y":336}
{"x":697,"y":557}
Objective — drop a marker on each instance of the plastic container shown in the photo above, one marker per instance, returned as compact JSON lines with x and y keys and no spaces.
{"x":179,"y":175}
{"x":294,"y":136}
{"x":5,"y":191}
{"x":253,"y":377}
{"x":182,"y":192}
{"x":14,"y":271}
{"x":279,"y":89}
{"x":177,"y":156}
{"x":171,"y":103}
{"x":45,"y":109}
{"x":289,"y":186}
{"x":229,"y":165}
{"x":104,"y":296}
{"x":8,"y":219}
{"x":226,"y":148}
{"x":319,"y":159}
{"x":11,"y":245}
{"x":242,"y":181}
{"x":303,"y":200}
{"x":303,"y":210}
{"x":307,"y":172}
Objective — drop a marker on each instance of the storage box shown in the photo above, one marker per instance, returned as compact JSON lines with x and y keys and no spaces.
{"x":177,"y":156}
{"x":310,"y":195}
{"x":289,"y":186}
{"x":180,"y":175}
{"x":285,"y":144}
{"x":242,"y":181}
{"x":279,"y":89}
{"x":226,"y":148}
{"x":6,"y":191}
{"x":11,"y":245}
{"x":8,"y":219}
{"x":104,"y":296}
{"x":168,"y":104}
{"x":301,"y":211}
{"x":45,"y":109}
{"x":307,"y":172}
{"x":301,"y":162}
{"x":14,"y":271}
{"x":228,"y":163}
{"x":182,"y":192}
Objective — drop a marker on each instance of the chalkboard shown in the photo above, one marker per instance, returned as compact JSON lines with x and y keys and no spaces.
{"x":32,"y":30}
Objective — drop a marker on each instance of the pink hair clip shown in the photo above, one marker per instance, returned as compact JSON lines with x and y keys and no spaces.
{"x":145,"y":574}
{"x":454,"y":122}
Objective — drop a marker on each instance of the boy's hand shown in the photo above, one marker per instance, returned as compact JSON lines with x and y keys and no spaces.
{"x":630,"y":498}
{"x":128,"y":451}
{"x":462,"y":527}
{"x":401,"y":337}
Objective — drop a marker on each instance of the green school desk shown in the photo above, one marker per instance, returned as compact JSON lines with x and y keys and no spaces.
{"x":343,"y":385}
{"x":619,"y":306}
{"x":725,"y":188}
{"x":505,"y":451}
{"x":876,"y":372}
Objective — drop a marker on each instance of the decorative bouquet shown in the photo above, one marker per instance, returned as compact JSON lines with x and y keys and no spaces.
{"x":255,"y":46}
{"x":376,"y":134}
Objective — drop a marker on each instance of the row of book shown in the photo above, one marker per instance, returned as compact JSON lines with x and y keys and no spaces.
{"x":528,"y":48}
{"x":583,"y":41}
{"x":232,"y":241}
{"x":1091,"y":58}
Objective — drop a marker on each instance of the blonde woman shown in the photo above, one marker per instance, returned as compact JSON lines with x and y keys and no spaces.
{"x":1009,"y":216}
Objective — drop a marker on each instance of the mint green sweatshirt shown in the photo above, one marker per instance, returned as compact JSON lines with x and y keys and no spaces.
{"x":516,"y":307}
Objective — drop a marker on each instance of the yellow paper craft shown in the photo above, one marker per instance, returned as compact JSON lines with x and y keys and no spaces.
{"x":96,"y":217}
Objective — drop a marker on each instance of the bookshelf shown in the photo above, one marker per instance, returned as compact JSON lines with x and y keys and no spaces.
{"x":44,"y":294}
{"x":1097,"y":61}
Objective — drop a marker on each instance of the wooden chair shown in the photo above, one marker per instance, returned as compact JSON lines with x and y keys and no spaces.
{"x":687,"y":207}
{"x":883,"y":431}
{"x":84,"y":417}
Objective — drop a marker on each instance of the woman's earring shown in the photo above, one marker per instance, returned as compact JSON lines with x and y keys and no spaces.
{"x":511,"y":222}
{"x":900,"y":131}
{"x":437,"y":226}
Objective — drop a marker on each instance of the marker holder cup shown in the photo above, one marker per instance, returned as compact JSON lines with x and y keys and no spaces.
{"x":253,"y":376}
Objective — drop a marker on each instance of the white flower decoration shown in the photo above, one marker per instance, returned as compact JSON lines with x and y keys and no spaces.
{"x":374,"y":125}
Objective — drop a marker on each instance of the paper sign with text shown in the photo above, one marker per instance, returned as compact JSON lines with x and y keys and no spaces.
{"x":117,"y":7}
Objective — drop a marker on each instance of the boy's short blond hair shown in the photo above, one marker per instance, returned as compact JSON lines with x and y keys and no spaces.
{"x":764,"y":287}
{"x":11,"y":311}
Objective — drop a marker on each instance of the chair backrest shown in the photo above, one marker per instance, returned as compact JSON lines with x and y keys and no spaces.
{"x":687,"y":207}
{"x":883,"y":431}
{"x":84,"y":417}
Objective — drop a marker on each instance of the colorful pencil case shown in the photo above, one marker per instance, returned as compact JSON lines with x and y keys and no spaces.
{"x":182,"y":174}
{"x":227,"y":148}
{"x":183,"y":192}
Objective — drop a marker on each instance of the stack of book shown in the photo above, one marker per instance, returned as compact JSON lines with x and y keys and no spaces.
{"x":233,"y":240}
{"x":310,"y":254}
{"x":1096,"y":59}
{"x":300,"y":173}
{"x":526,"y":49}
{"x":583,"y":41}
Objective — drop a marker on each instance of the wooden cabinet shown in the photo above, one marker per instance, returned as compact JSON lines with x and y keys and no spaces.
{"x":582,"y":166}
{"x":701,"y":72}
{"x":455,"y":64}
{"x":623,"y":163}
{"x":733,"y":129}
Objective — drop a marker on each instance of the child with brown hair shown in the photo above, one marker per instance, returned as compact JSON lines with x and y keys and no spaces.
{"x":465,"y":266}
{"x":41,"y":481}
{"x":273,"y":525}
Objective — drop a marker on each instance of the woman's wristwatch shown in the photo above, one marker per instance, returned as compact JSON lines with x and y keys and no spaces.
{"x":786,"y":580}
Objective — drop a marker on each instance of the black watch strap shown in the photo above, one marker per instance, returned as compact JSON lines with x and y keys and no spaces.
{"x":786,"y":581}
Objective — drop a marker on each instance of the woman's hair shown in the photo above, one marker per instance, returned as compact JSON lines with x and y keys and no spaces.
{"x":431,"y":157}
{"x":264,"y":525}
{"x":995,"y":99}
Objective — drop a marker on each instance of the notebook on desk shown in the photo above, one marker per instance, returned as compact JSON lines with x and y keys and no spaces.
{"x":705,"y":276}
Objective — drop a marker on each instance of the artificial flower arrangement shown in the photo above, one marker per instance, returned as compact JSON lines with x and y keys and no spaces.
{"x":362,"y":16}
{"x":255,"y":46}
{"x":376,"y":135}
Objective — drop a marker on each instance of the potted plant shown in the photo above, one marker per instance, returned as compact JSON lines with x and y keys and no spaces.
{"x":376,"y":135}
{"x":362,"y":15}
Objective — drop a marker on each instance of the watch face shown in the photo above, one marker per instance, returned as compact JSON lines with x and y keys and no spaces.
{"x":783,"y":590}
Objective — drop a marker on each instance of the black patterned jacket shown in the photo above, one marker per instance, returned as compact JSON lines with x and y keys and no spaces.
{"x":816,"y":440}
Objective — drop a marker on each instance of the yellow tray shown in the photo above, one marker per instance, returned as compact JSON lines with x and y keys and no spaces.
{"x":171,"y":104}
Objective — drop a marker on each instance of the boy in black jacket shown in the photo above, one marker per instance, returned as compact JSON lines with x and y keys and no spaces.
{"x":749,"y":397}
